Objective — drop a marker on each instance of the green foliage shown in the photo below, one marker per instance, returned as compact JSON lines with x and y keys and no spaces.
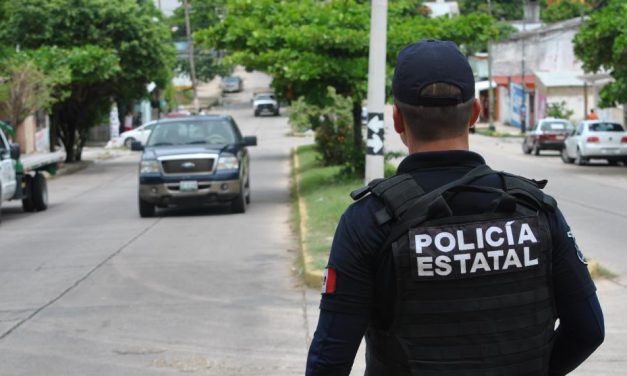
{"x":501,"y":9}
{"x":7,"y":129}
{"x":564,"y":10}
{"x":25,"y":89}
{"x":559,"y":110}
{"x":601,"y":44}
{"x":333,"y":124}
{"x":111,"y":48}
{"x":207,"y":65}
{"x":202,"y":14}
{"x":325,"y":193}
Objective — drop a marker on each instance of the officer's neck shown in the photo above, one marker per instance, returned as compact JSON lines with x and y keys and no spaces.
{"x":420,"y":146}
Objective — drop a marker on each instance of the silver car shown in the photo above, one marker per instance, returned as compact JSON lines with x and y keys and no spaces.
{"x":594,"y":139}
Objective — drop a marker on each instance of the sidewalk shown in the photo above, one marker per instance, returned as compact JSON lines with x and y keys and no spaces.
{"x":499,"y":128}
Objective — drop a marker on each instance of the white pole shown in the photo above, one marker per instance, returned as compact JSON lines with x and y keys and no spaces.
{"x":376,"y":89}
{"x":190,"y":51}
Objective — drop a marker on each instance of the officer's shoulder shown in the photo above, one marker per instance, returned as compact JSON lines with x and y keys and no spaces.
{"x":515,"y":182}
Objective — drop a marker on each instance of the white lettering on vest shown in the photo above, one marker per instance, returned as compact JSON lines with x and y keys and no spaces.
{"x":479,"y":238}
{"x":462,"y":258}
{"x":480,"y":263}
{"x":425,"y":266}
{"x":511,"y":259}
{"x":443,"y":264}
{"x":510,"y":235}
{"x":451,"y":242}
{"x":495,"y":258}
{"x":462,"y":245}
{"x":526,"y":234}
{"x":528,"y":260}
{"x":488,"y":237}
{"x":422,"y":241}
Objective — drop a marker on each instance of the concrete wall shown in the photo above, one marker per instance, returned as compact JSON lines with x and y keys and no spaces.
{"x":546,"y":49}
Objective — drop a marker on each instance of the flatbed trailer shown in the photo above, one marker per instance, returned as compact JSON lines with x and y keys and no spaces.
{"x":22,"y":177}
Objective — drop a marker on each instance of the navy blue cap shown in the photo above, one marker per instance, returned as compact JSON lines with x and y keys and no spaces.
{"x":427,"y":62}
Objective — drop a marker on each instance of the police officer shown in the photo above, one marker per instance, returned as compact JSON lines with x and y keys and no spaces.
{"x":450,"y":267}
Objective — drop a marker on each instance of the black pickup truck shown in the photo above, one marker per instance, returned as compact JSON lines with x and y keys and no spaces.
{"x":193,"y":161}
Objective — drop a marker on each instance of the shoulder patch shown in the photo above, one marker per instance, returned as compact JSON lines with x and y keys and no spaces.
{"x":580,"y":255}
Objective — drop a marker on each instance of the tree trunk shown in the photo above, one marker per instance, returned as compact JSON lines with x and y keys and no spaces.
{"x":69,"y":140}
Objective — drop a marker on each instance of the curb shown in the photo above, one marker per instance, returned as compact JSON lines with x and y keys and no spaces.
{"x":312,"y":278}
{"x":594,"y":268}
{"x":68,"y":169}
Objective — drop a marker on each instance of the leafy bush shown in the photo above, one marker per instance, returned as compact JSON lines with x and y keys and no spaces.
{"x":564,"y":10}
{"x":333,"y":126}
{"x":559,"y":110}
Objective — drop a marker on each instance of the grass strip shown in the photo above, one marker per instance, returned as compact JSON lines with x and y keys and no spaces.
{"x":321,"y":195}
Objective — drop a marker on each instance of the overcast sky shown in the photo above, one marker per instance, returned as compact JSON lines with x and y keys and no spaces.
{"x":167,"y":6}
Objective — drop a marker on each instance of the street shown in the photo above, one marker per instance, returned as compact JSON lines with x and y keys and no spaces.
{"x":90,"y":288}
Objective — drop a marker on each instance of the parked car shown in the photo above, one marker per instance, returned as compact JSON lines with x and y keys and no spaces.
{"x":548,"y":134}
{"x":594,"y":139}
{"x":194,"y":161}
{"x":140,"y":134}
{"x":232,"y":84}
{"x":265,"y":103}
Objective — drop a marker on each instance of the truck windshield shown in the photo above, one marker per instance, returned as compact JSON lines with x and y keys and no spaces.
{"x":215,"y":132}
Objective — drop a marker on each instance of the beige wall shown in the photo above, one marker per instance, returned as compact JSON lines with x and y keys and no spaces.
{"x":26,"y":135}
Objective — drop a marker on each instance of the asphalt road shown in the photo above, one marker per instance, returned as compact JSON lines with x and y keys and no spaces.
{"x":89,"y":288}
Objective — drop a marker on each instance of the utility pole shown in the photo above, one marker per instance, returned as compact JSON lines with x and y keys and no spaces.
{"x":190,"y":51}
{"x":490,"y":89}
{"x":523,"y":107}
{"x":376,"y":89}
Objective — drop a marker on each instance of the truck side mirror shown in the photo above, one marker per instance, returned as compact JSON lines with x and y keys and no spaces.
{"x":250,"y":141}
{"x":15,"y":151}
{"x":137,"y":146}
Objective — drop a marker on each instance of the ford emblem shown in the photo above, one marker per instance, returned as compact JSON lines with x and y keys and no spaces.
{"x":188,"y":165}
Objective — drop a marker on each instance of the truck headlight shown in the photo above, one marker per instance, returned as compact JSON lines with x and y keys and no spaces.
{"x":228,"y":162}
{"x":149,"y":167}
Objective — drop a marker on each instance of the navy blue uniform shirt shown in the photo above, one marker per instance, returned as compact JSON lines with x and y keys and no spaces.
{"x":365,"y":277}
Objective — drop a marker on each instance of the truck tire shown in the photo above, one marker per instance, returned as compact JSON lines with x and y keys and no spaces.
{"x":39,"y":192}
{"x":27,"y":199}
{"x":238,"y":205}
{"x":146,"y":209}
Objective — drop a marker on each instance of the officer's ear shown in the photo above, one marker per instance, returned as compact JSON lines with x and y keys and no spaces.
{"x":399,"y":124}
{"x":476,"y":111}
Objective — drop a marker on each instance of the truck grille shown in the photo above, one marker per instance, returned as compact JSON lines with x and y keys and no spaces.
{"x":188,"y":166}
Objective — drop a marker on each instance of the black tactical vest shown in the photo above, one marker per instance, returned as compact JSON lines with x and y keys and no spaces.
{"x":474,"y":293}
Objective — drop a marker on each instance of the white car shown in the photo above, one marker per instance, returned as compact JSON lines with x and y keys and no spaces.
{"x":140,"y":134}
{"x":595,"y":139}
{"x":265,"y":102}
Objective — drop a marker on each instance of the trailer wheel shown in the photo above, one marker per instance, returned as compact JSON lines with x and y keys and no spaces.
{"x":27,"y":193}
{"x":40,"y":192}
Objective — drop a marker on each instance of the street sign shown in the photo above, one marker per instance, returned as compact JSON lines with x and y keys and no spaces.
{"x":376,"y":128}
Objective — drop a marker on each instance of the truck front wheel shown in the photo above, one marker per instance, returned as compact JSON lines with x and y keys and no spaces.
{"x":39,"y":192}
{"x":146,"y":209}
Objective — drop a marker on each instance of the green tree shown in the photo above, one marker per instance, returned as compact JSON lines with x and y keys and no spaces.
{"x":309,"y":45}
{"x":112,"y":49}
{"x":501,"y":9}
{"x":202,"y":15}
{"x":564,"y":10}
{"x":601,"y":44}
{"x":559,"y":110}
{"x":25,"y":89}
